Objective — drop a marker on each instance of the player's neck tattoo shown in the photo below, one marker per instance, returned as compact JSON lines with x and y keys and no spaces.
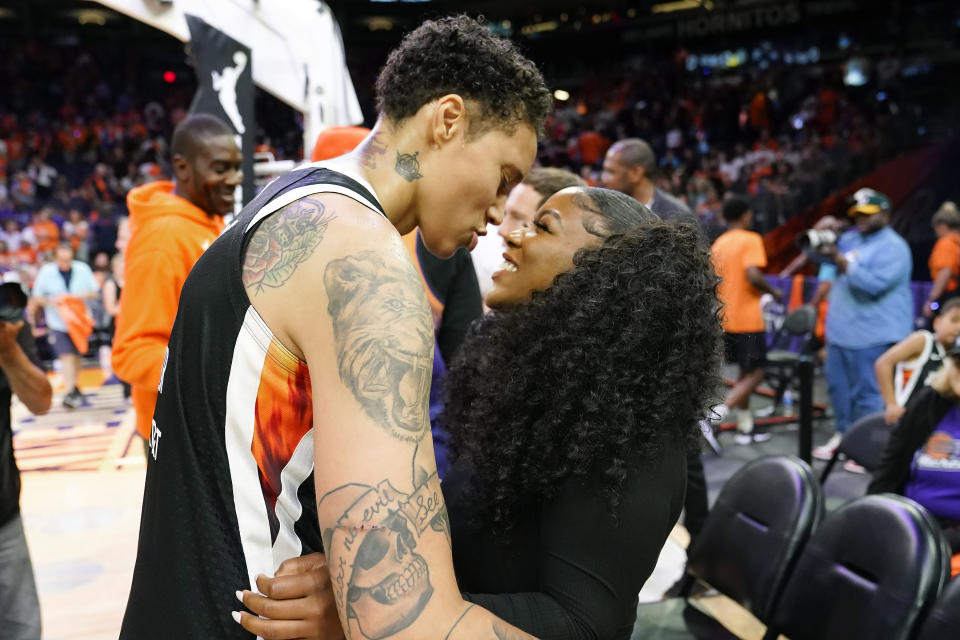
{"x":372,"y":150}
{"x":408,"y":166}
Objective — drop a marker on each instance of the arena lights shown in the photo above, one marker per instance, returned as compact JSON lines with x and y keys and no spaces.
{"x":762,"y":57}
{"x":379,"y":23}
{"x":561,"y":95}
{"x":95,"y":17}
{"x":539,"y":27}
{"x":682,"y":5}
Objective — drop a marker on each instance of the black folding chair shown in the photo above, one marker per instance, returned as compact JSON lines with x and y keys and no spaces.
{"x":750,"y":541}
{"x":864,"y":443}
{"x":782,"y":359}
{"x":870,"y":571}
{"x":943,"y":621}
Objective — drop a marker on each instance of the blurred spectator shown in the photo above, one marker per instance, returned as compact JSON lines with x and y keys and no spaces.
{"x":55,"y":281}
{"x":870,"y":311}
{"x":43,"y":231}
{"x":630,"y":167}
{"x":945,"y":257}
{"x":76,"y":231}
{"x":103,"y":309}
{"x":738,"y":256}
{"x":11,"y":234}
{"x":922,"y":458}
{"x":908,"y":366}
{"x":43,"y":176}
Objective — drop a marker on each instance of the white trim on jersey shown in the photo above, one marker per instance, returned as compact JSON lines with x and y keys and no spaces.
{"x":288,"y":508}
{"x":302,"y":192}
{"x":903,"y":390}
{"x":246,"y":367}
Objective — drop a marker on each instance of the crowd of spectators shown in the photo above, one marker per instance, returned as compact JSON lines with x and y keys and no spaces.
{"x":79,"y":131}
{"x":784,"y":139}
{"x":76,"y":134}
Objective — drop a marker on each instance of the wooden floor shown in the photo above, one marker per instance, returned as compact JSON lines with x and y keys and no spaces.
{"x":83,"y":473}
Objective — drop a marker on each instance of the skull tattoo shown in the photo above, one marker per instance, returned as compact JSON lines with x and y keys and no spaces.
{"x":390,"y":585}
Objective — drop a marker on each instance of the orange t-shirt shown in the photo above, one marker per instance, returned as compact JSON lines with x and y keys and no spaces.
{"x":733,"y":253}
{"x":47,"y":235}
{"x":592,"y":147}
{"x":946,"y":253}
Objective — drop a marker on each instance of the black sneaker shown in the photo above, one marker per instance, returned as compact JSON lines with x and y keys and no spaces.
{"x":74,"y":400}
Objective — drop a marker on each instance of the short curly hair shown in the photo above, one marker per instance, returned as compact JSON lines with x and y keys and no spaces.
{"x":460,"y":55}
{"x":616,"y":361}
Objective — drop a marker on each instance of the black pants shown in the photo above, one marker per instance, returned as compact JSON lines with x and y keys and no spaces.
{"x":695,"y":502}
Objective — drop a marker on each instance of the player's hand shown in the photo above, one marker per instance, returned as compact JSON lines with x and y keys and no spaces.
{"x":296,"y":603}
{"x":892,"y":413}
{"x":8,"y":336}
{"x":928,"y":309}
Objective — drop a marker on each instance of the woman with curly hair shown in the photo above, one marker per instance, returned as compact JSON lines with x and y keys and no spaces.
{"x":571,"y":411}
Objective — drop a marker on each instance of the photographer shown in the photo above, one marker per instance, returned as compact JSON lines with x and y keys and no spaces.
{"x":870,"y":310}
{"x":20,"y":374}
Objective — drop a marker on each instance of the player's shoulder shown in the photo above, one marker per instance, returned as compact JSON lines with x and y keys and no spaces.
{"x":293,"y":246}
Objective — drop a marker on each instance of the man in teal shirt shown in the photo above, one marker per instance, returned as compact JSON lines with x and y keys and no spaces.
{"x":64,"y":276}
{"x":870,"y":310}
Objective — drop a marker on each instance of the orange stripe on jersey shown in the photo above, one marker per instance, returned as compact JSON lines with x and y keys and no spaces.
{"x":436,"y":307}
{"x":907,"y":374}
{"x":284,"y":414}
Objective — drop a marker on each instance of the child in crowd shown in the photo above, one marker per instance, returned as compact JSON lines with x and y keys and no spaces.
{"x":907,"y":366}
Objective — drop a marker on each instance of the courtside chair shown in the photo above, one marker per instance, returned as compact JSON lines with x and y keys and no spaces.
{"x":870,"y":571}
{"x":864,"y":443}
{"x":749,"y":543}
{"x":791,"y":343}
{"x":943,"y":621}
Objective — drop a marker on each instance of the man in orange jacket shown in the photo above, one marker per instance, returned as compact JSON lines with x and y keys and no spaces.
{"x":171,"y":225}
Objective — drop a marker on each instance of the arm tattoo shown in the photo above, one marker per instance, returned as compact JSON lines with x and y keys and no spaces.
{"x":282,"y":242}
{"x":371,"y":149}
{"x":379,"y":579}
{"x":384,"y":340}
{"x":408,"y":166}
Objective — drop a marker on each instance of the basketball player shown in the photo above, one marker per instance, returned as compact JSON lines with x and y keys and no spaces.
{"x":292,"y":413}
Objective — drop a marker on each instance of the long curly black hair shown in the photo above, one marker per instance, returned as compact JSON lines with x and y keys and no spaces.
{"x":617,"y":360}
{"x":461,"y":55}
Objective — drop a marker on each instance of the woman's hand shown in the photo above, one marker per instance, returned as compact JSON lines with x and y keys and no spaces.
{"x":296,"y":603}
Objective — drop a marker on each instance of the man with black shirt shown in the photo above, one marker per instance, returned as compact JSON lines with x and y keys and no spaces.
{"x":20,"y":374}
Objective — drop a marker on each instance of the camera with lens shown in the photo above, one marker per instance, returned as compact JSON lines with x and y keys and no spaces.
{"x":816,"y":239}
{"x":13,"y":302}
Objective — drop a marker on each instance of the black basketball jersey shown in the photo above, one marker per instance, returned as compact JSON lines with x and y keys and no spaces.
{"x":229,"y":490}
